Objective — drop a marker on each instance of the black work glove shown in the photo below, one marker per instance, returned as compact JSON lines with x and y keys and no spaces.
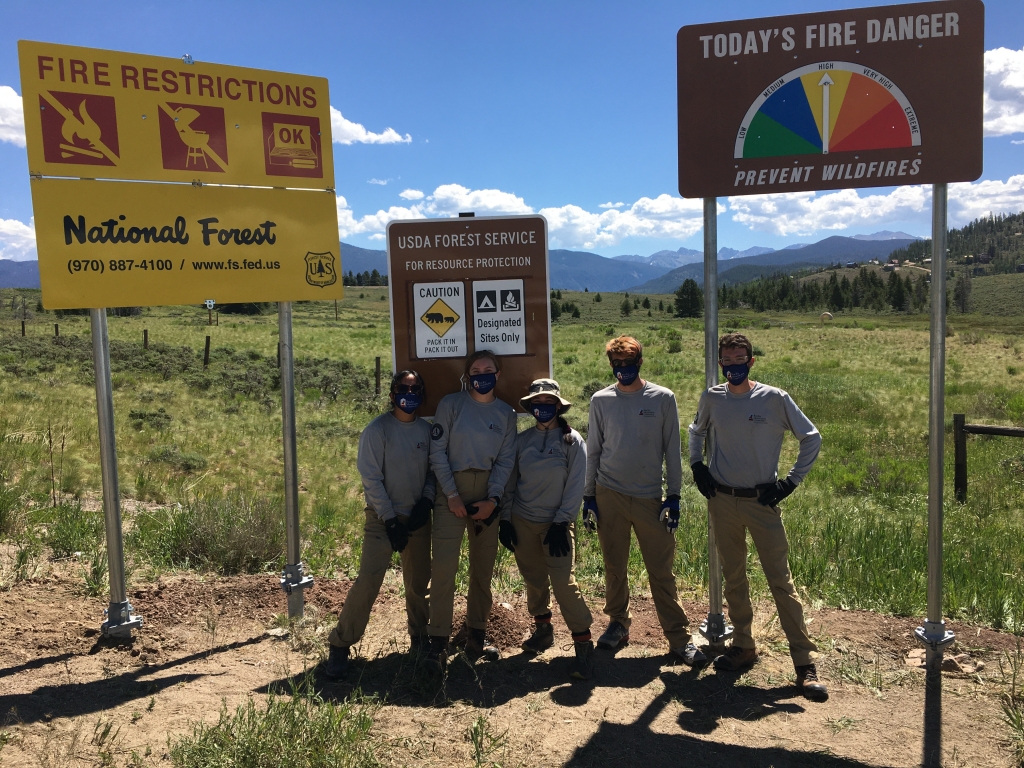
{"x":777,"y":492}
{"x":703,"y":480}
{"x":507,"y":535}
{"x":557,"y":539}
{"x":397,"y":534}
{"x":420,"y":514}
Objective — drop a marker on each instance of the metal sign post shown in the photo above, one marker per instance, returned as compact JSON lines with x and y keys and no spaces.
{"x":293,"y":579}
{"x":713,"y":628}
{"x":121,"y":619}
{"x":934,"y":635}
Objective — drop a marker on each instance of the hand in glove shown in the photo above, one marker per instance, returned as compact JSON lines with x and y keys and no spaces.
{"x":397,"y":534}
{"x":590,"y":515}
{"x":420,"y":514}
{"x":777,"y":492}
{"x":703,"y":480}
{"x":507,"y":535}
{"x":670,"y":513}
{"x":557,"y":539}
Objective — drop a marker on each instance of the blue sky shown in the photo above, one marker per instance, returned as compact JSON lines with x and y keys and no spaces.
{"x":558,"y":108}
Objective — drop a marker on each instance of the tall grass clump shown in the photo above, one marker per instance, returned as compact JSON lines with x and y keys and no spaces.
{"x":300,"y":731}
{"x":71,"y":530}
{"x":229,"y":534}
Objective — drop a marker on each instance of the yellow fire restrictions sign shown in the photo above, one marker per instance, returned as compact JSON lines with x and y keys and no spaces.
{"x":113,"y":244}
{"x":91,"y":113}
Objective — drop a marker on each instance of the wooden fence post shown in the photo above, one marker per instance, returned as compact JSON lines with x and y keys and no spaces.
{"x":206,"y":353}
{"x":145,"y":338}
{"x":56,"y":330}
{"x":377,"y":377}
{"x":959,"y":458}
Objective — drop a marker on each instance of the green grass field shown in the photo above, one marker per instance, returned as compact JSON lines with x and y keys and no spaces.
{"x":210,"y":441}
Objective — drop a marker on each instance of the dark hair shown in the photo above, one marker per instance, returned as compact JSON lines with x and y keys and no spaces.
{"x":735,"y":340}
{"x":482,"y":354}
{"x":564,"y":426}
{"x":397,"y":378}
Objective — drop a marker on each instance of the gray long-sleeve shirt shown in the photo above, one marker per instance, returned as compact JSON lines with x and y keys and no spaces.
{"x":748,"y":432}
{"x":630,"y":435}
{"x":547,"y":482}
{"x":394,"y":463}
{"x":471,"y":435}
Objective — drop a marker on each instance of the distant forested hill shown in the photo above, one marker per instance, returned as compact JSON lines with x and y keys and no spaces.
{"x":997,"y":241}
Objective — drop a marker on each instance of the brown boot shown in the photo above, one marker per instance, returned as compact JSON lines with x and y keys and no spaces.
{"x":437,"y":655}
{"x":543,"y":637}
{"x":477,"y":646}
{"x":734,"y":659}
{"x":583,"y":666}
{"x":807,"y":682}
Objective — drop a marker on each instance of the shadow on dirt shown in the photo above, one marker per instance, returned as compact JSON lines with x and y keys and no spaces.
{"x":72,"y":699}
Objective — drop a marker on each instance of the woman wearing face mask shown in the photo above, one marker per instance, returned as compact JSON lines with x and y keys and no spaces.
{"x":399,"y":486}
{"x":472,"y":451}
{"x":539,"y":511}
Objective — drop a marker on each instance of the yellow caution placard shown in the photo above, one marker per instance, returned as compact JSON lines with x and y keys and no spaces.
{"x":91,"y":113}
{"x":116,"y":244}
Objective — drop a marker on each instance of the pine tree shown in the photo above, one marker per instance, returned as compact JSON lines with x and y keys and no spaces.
{"x":626,"y":307}
{"x":689,"y":299}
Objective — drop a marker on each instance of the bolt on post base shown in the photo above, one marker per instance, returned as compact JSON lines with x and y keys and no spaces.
{"x":934,"y":635}
{"x":715,"y":630}
{"x":293,"y":581}
{"x":121,"y":620}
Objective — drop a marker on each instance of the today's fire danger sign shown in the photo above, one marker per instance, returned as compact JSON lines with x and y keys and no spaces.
{"x":114,"y":115}
{"x":866,"y":97}
{"x":462,"y":285}
{"x":441,"y":312}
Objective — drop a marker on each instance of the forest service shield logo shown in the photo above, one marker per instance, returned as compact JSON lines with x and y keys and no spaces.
{"x":320,"y":269}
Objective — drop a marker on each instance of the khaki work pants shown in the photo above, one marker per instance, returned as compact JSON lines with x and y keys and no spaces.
{"x":446,"y":542}
{"x":732,"y":517}
{"x":617,"y":515}
{"x":373,"y":565}
{"x":539,"y":569}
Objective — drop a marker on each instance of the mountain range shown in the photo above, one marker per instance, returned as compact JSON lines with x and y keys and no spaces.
{"x":661,"y":272}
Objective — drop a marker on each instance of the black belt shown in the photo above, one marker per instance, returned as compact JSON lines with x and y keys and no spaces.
{"x":743,"y":493}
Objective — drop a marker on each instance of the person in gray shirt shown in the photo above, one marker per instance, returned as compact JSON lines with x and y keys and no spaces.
{"x":394,"y":463}
{"x":472,"y":451}
{"x":743,"y":423}
{"x":634,"y":430}
{"x":539,"y":509}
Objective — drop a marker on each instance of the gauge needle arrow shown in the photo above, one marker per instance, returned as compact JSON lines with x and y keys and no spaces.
{"x":825,"y":82}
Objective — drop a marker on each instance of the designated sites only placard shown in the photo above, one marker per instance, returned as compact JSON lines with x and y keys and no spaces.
{"x":864,"y":97}
{"x":466,"y":284}
{"x":114,"y":244}
{"x":114,"y":115}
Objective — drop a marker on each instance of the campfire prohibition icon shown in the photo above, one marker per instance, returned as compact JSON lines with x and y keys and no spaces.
{"x":78,"y":128}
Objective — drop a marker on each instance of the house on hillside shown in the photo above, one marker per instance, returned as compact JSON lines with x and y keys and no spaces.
{"x":852,"y":265}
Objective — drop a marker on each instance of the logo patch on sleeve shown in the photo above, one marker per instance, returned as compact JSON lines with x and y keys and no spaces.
{"x":436,"y":432}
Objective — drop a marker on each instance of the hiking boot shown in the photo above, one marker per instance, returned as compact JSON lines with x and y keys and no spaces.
{"x":807,"y":682}
{"x":690,"y":655}
{"x":735,"y":659}
{"x":477,"y":646}
{"x":543,"y":637}
{"x":614,"y":637}
{"x":583,"y":666}
{"x":437,"y":654}
{"x":419,"y":644}
{"x":336,"y":664}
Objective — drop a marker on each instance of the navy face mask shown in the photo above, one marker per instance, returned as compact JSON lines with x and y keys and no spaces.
{"x":544,"y":412}
{"x":627,"y":374}
{"x":736,"y":374}
{"x":408,"y":402}
{"x":483,"y":382}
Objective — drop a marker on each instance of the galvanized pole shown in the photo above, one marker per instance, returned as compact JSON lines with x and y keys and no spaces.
{"x":293,"y":580}
{"x":933,"y":635}
{"x":713,"y":628}
{"x":121,"y":618}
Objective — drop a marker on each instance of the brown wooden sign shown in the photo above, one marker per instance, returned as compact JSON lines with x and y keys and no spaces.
{"x":460,"y":285}
{"x":869,"y":97}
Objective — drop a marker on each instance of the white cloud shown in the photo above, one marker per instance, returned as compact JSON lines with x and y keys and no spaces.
{"x":379,"y":182}
{"x":345,"y":131}
{"x":664,"y":217}
{"x":973,"y":200}
{"x":17,"y":240}
{"x":12,"y":119}
{"x":451,"y":199}
{"x":1004,"y":92}
{"x":349,"y":225}
{"x":612,"y":205}
{"x":410,"y":194}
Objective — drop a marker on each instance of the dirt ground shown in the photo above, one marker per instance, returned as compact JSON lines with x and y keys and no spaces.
{"x":214,"y":640}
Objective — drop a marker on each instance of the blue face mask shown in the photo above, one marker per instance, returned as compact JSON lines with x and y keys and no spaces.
{"x":736,"y":374}
{"x":627,"y":374}
{"x":544,"y":412}
{"x":483,"y":382}
{"x":409,"y":402}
